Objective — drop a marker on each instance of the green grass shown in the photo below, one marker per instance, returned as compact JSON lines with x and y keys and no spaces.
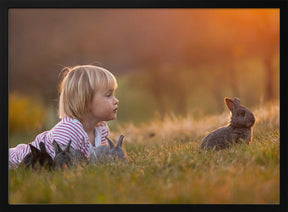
{"x":167,"y":166}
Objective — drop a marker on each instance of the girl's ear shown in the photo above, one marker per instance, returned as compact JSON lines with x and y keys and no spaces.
{"x":111,"y":144}
{"x":229,"y":103}
{"x":34,"y":150}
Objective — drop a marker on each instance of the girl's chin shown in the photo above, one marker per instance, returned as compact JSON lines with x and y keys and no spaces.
{"x":112,"y":117}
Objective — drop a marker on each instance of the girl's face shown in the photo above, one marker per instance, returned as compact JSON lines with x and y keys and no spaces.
{"x":104,"y":105}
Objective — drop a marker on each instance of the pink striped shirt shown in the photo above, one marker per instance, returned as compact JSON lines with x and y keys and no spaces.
{"x":67,"y":129}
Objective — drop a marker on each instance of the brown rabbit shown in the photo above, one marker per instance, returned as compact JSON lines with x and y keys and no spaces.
{"x":239,"y":128}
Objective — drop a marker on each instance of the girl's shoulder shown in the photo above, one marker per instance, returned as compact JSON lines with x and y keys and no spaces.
{"x":69,"y":124}
{"x":70,"y":129}
{"x":67,"y":121}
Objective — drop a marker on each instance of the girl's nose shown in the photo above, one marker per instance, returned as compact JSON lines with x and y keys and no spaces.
{"x":116,"y":101}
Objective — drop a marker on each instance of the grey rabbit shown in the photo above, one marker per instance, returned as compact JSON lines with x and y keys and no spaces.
{"x":239,"y":128}
{"x":67,"y":157}
{"x":38,"y":158}
{"x":109,"y":152}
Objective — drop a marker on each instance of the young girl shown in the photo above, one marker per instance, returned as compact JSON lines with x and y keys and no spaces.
{"x":86,"y":101}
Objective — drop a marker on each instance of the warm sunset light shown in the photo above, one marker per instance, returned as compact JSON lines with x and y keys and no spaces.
{"x":180,"y":73}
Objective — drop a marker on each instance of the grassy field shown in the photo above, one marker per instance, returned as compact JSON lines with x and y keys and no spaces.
{"x":167,"y":166}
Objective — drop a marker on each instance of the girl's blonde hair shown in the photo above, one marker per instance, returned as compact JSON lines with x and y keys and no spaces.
{"x":78,"y":87}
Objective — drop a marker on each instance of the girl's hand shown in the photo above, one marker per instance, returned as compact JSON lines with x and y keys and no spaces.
{"x":100,"y":124}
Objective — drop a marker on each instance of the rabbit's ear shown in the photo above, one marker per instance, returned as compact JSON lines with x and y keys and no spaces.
{"x":120,"y":141}
{"x":68,"y":146}
{"x":57,"y":147}
{"x":42,"y":147}
{"x":34,"y":150}
{"x":236,"y":102}
{"x":229,"y":103}
{"x":111,"y":144}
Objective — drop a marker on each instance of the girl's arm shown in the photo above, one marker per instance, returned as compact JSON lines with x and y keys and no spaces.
{"x":104,"y":129}
{"x":17,"y":154}
{"x":71,"y":130}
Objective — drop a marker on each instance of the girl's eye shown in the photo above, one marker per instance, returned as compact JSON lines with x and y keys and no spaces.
{"x":109,"y":94}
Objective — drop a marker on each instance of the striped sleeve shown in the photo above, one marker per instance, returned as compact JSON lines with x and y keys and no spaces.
{"x":104,"y":132}
{"x":17,"y":154}
{"x":67,"y":131}
{"x":14,"y":153}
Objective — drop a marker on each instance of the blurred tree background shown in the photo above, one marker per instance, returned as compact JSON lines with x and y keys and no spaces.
{"x":167,"y":61}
